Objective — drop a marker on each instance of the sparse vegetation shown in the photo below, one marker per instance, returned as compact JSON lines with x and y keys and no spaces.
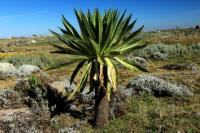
{"x":144,"y":113}
{"x":164,"y":51}
{"x":43,"y":61}
{"x":173,"y":36}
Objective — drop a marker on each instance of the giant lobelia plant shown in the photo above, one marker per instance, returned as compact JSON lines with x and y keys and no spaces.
{"x":98,"y":48}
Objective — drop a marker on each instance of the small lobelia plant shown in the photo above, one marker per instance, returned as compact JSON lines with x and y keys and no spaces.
{"x":98,"y":48}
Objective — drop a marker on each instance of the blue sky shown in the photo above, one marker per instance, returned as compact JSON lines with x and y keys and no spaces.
{"x":27,"y":17}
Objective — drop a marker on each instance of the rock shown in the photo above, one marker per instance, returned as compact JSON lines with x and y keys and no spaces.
{"x":193,"y":67}
{"x":2,"y":50}
{"x":61,"y":86}
{"x":72,"y":107}
{"x":9,"y":99}
{"x":86,"y":98}
{"x":67,"y":130}
{"x":64,"y":86}
{"x":25,"y":70}
{"x":140,"y":61}
{"x":155,"y":86}
{"x":7,"y":70}
{"x":160,"y":56}
{"x":33,"y":41}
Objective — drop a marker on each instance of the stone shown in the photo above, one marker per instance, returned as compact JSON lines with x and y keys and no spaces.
{"x":2,"y":50}
{"x":67,"y":130}
{"x":160,"y":56}
{"x":63,"y":85}
{"x":7,"y":70}
{"x":140,"y":61}
{"x":25,"y":70}
{"x":154,"y":86}
{"x":33,"y":41}
{"x":86,"y":98}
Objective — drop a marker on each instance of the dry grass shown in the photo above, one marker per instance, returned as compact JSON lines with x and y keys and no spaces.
{"x":182,"y":36}
{"x":186,"y":40}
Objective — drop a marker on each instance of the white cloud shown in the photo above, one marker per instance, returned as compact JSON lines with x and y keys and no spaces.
{"x":21,"y":15}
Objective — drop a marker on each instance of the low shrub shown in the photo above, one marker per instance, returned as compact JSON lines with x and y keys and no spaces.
{"x":155,"y":86}
{"x":40,"y":60}
{"x":164,"y":51}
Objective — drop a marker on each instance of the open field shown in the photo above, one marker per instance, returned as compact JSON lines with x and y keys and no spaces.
{"x":182,"y":36}
{"x":145,"y":113}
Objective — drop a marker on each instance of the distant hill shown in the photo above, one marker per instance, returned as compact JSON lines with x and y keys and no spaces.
{"x":171,"y":36}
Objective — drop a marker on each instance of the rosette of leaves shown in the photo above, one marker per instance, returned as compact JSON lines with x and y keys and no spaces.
{"x":97,"y":49}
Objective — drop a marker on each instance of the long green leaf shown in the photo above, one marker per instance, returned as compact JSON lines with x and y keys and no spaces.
{"x":95,"y":47}
{"x":64,"y":40}
{"x":82,"y":83}
{"x":132,"y":65}
{"x":87,"y":26}
{"x":78,"y":42}
{"x":118,"y":28}
{"x":69,"y":27}
{"x":124,"y":28}
{"x":63,"y":50}
{"x":140,"y":46}
{"x":82,"y":26}
{"x":76,"y":70}
{"x":126,"y":63}
{"x":132,"y":35}
{"x":126,"y":47}
{"x":64,"y":64}
{"x":63,"y":31}
{"x":99,"y":25}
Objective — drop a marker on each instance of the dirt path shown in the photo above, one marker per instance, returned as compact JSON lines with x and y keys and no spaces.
{"x":7,"y":112}
{"x":7,"y":83}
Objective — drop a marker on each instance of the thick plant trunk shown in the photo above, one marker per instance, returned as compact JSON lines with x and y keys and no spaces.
{"x":101,"y":109}
{"x":101,"y":101}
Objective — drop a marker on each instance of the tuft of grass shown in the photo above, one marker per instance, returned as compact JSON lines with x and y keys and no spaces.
{"x":150,"y":114}
{"x":41,"y":60}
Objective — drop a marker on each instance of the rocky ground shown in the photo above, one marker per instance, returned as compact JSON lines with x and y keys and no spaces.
{"x":37,"y":103}
{"x":33,"y":99}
